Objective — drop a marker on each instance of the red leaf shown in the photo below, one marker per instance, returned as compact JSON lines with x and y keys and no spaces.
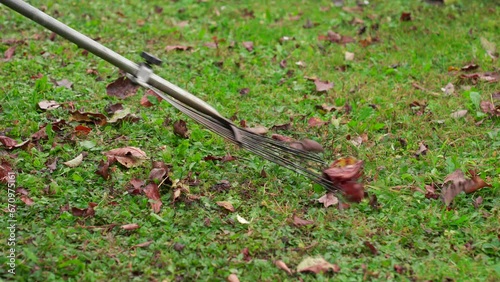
{"x":87,"y":212}
{"x":122,"y":88}
{"x":83,"y":130}
{"x":153,"y":193}
{"x":405,"y":17}
{"x":5,"y":171}
{"x":159,"y":171}
{"x":27,"y":200}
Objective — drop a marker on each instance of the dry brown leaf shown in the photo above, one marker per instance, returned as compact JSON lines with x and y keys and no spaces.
{"x":323,"y":86}
{"x":48,"y":105}
{"x":316,"y":122}
{"x":177,"y":48}
{"x":456,"y":182}
{"x":311,"y":146}
{"x":87,"y":212}
{"x":297,"y":221}
{"x":9,"y":53}
{"x":27,"y":200}
{"x":459,"y":114}
{"x":180,"y":129}
{"x":122,"y":88}
{"x":260,"y":130}
{"x":8,"y":142}
{"x":328,"y":199}
{"x":74,"y":162}
{"x":316,"y":265}
{"x":248,"y":45}
{"x":489,"y":108}
{"x":282,"y":138}
{"x":95,"y":118}
{"x":281,"y":265}
{"x":232,"y":278}
{"x":130,"y":226}
{"x":142,"y":245}
{"x":152,"y":192}
{"x":127,"y":156}
{"x":227,"y":205}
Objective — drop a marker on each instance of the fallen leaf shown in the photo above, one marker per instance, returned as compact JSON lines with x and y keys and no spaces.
{"x":6,"y":171}
{"x":285,"y":126}
{"x":490,"y":47}
{"x":103,"y":168}
{"x":371,"y":247}
{"x":344,"y":173}
{"x":112,"y":108}
{"x":178,"y":247}
{"x":309,"y":24}
{"x":282,"y":138}
{"x":232,"y":278}
{"x":281,"y":265}
{"x":159,"y":172}
{"x":449,"y":89}
{"x":241,"y":219}
{"x":248,"y":45}
{"x":316,"y":265}
{"x":64,"y":83}
{"x":484,"y":76}
{"x":348,"y":56}
{"x":51,"y":164}
{"x":459,"y":114}
{"x":469,"y":67}
{"x":48,"y":105}
{"x":405,"y":17}
{"x":8,"y":142}
{"x":227,"y":205}
{"x":83,"y":130}
{"x":142,"y":245}
{"x":477,"y":202}
{"x":422,"y":149}
{"x":328,"y":199}
{"x":244,"y":91}
{"x":131,"y":226}
{"x":260,"y":130}
{"x":40,"y":134}
{"x":145,"y":100}
{"x":9,"y":53}
{"x":316,"y":122}
{"x":323,"y":86}
{"x":283,"y":64}
{"x":430,"y":192}
{"x":489,"y":108}
{"x":152,"y":192}
{"x":27,"y":200}
{"x":311,"y":146}
{"x":123,"y":115}
{"x":127,"y":156}
{"x":297,"y":221}
{"x":178,"y":48}
{"x":95,"y":118}
{"x":456,"y":182}
{"x":87,"y":212}
{"x":122,"y":88}
{"x":74,"y":162}
{"x":418,"y":108}
{"x":180,"y":129}
{"x":134,"y":187}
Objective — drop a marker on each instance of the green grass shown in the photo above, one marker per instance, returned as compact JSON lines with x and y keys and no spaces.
{"x":410,"y":231}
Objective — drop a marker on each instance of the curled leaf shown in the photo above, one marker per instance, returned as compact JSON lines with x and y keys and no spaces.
{"x":74,"y":162}
{"x":152,"y":192}
{"x":316,"y":265}
{"x":281,"y":265}
{"x":328,"y":200}
{"x":227,"y":205}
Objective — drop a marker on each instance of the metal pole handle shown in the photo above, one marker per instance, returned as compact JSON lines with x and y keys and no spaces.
{"x":110,"y":56}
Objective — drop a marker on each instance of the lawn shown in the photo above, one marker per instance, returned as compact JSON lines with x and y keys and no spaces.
{"x":403,"y":86}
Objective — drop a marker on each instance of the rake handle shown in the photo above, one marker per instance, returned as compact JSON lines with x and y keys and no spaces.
{"x":109,"y":55}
